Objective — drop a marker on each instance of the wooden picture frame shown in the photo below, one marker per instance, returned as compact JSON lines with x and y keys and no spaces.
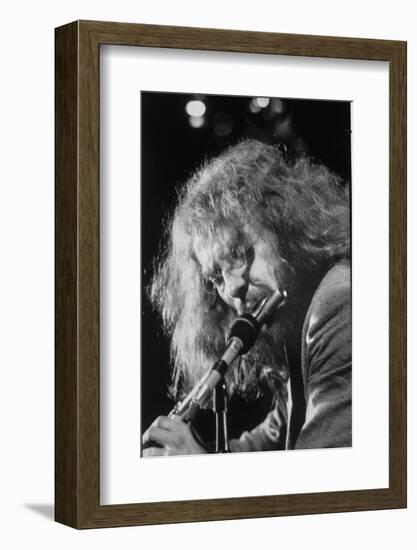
{"x":77,"y":382}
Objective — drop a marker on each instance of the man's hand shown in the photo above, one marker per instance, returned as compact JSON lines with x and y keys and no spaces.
{"x":173,"y":435}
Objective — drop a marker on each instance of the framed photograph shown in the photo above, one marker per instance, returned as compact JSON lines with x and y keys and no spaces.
{"x":230,"y":274}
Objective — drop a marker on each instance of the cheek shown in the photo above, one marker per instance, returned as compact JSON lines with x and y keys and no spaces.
{"x":273,"y":274}
{"x":264,"y":274}
{"x":223,"y":296}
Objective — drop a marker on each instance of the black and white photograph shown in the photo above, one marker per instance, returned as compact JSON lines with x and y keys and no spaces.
{"x":209,"y":259}
{"x":246,"y":274}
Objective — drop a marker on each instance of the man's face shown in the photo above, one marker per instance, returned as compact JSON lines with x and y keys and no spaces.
{"x":243,"y":271}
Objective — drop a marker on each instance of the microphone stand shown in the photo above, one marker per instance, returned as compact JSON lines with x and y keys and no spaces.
{"x":220,"y":411}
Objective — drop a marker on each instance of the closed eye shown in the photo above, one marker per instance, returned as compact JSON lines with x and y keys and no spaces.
{"x":237,"y":255}
{"x":240,"y":255}
{"x":216,"y":279}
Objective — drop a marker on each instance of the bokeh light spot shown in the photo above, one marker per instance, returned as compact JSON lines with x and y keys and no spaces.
{"x":195,"y":108}
{"x":196,"y":121}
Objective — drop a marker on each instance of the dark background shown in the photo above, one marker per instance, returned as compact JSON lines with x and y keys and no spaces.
{"x":171,"y":150}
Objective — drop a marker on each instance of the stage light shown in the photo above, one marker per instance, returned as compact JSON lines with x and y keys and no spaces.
{"x":195,"y":108}
{"x":254,"y":107}
{"x":196,"y":121}
{"x":262,"y":102}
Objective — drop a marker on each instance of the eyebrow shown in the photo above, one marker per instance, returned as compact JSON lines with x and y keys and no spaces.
{"x":210,"y":271}
{"x":205,"y":270}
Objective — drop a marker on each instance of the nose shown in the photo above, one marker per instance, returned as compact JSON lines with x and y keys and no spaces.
{"x":236,"y":284}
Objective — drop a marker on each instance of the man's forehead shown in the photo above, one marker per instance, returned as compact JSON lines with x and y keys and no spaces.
{"x":216,"y":248}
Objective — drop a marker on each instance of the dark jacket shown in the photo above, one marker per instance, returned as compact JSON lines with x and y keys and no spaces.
{"x":320,"y":386}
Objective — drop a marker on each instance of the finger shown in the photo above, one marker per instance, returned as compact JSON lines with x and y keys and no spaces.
{"x":177,"y":419}
{"x":161,"y":422}
{"x":158,"y":435}
{"x":165,"y":422}
{"x":154,"y":451}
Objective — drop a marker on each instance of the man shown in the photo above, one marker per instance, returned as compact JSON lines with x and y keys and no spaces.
{"x":247,"y":223}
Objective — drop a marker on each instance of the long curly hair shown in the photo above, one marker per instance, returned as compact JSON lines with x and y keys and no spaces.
{"x":300,"y":204}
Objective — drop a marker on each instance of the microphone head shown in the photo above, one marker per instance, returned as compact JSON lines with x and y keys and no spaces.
{"x":246,"y":329}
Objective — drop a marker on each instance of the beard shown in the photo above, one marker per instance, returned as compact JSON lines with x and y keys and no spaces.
{"x":263,"y":368}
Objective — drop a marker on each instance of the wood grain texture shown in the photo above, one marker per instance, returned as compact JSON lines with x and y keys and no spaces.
{"x":398,"y":272}
{"x":78,"y":285}
{"x":66,"y":237}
